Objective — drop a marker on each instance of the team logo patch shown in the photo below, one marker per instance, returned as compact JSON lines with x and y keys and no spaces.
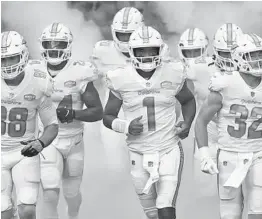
{"x":252,"y":94}
{"x":70,"y":84}
{"x":150,"y":164}
{"x":29,"y":97}
{"x":39,"y":74}
{"x":11,"y":95}
{"x":166,"y":84}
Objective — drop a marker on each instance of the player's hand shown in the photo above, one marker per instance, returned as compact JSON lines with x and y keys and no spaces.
{"x":135,"y":126}
{"x":32,"y":148}
{"x":65,"y":115}
{"x":207,"y":163}
{"x":182,"y":129}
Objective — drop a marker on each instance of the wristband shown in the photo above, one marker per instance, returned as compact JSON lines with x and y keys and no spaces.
{"x":120,"y":125}
{"x":204,"y":152}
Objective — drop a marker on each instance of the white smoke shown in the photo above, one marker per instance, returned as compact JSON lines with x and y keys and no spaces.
{"x":208,"y":16}
{"x":30,"y":18}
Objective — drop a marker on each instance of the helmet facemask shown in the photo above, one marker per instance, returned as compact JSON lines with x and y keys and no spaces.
{"x":55,"y":51}
{"x":121,"y":39}
{"x":13,"y":65}
{"x":146,"y":58}
{"x":223,"y":60}
{"x":252,"y":62}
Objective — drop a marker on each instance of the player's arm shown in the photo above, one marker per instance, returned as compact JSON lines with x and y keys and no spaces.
{"x":112,"y":109}
{"x":210,"y":107}
{"x":208,"y":110}
{"x":94,"y":110}
{"x":48,"y":117}
{"x":188,"y":106}
{"x":47,"y":114}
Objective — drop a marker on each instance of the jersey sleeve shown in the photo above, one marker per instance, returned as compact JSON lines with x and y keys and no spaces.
{"x":47,"y":111}
{"x":111,"y":77}
{"x":179,"y":72}
{"x":87,"y":73}
{"x":97,"y":54}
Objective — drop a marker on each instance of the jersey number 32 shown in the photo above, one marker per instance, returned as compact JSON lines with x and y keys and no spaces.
{"x":252,"y":132}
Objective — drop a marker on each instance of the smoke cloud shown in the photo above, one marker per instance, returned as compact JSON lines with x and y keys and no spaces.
{"x":30,"y":19}
{"x":90,"y":21}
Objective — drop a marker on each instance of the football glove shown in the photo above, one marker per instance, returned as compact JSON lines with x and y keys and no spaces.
{"x":65,"y":115}
{"x":207,"y":163}
{"x":32,"y":147}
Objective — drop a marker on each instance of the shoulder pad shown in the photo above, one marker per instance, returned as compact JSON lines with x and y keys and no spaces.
{"x":113,"y":77}
{"x":86,"y":70}
{"x":218,"y":81}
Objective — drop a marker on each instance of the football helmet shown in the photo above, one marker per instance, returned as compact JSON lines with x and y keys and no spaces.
{"x":56,"y":43}
{"x":192,"y":45}
{"x":146,"y":37}
{"x":14,"y":54}
{"x":247,"y":54}
{"x":124,"y":23}
{"x":225,"y":37}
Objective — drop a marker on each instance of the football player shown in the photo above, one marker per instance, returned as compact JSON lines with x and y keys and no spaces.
{"x":108,"y":55}
{"x":147,"y":91}
{"x":73,"y":90}
{"x":200,"y":67}
{"x":236,"y":99}
{"x":25,"y":94}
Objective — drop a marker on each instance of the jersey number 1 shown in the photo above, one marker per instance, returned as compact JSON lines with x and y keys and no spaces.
{"x":149,"y":103}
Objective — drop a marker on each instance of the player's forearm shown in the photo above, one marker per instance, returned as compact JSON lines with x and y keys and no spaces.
{"x":49,"y":134}
{"x":189,"y":110}
{"x":107,"y":120}
{"x":201,"y":132}
{"x":92,"y":114}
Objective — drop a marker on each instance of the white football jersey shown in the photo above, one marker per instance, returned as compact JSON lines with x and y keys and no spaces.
{"x":69,"y":84}
{"x":154,"y":99}
{"x":22,"y":104}
{"x":240,"y":118}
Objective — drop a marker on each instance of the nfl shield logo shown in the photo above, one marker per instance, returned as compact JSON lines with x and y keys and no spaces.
{"x":252,"y":94}
{"x":11,"y":95}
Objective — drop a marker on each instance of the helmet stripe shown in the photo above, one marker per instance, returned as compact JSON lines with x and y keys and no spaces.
{"x":255,"y":39}
{"x":190,"y":36}
{"x":54,"y":29}
{"x":145,"y":34}
{"x":4,"y":39}
{"x":125,"y":17}
{"x":229,"y":35}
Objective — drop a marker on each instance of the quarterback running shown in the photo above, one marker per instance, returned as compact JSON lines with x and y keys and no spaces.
{"x":109,"y":55}
{"x":236,"y":98}
{"x":25,"y":94}
{"x":148,"y":90}
{"x":76,"y":101}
